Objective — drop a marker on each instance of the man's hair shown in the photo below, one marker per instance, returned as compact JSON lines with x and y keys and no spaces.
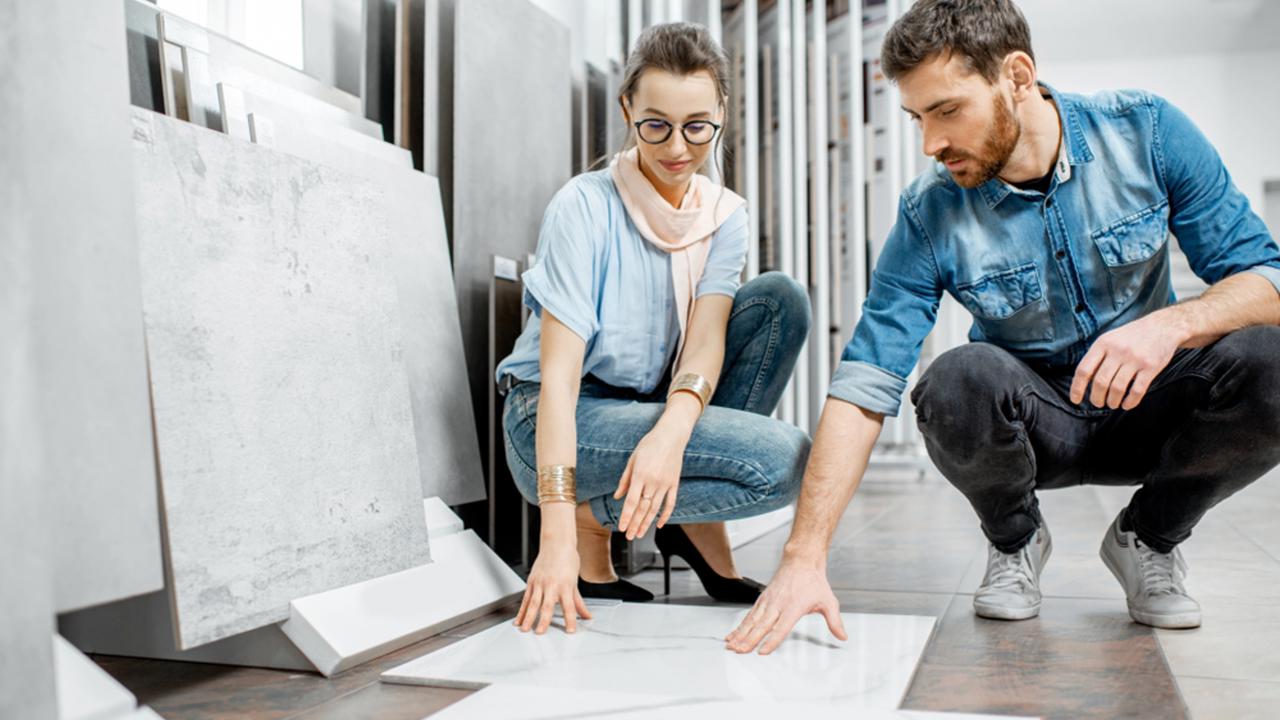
{"x":983,"y":32}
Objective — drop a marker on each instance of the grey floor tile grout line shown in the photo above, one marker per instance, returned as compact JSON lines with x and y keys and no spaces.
{"x":1255,"y":543}
{"x":1275,"y":683}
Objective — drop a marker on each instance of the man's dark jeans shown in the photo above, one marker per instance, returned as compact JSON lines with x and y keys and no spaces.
{"x":999,"y":430}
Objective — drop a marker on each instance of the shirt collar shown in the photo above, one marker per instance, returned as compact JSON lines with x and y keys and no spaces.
{"x":1073,"y":150}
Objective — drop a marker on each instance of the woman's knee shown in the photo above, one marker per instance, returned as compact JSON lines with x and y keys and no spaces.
{"x":782,"y":453}
{"x":784,"y":296}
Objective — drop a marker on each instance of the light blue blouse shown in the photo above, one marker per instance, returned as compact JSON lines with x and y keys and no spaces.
{"x":597,"y":274}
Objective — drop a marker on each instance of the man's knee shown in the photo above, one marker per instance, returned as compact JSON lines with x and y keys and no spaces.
{"x":963,"y":378}
{"x":1252,"y":357}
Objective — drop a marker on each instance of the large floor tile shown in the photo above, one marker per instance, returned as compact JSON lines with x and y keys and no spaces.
{"x":679,"y":651}
{"x":1236,"y":642}
{"x":1080,"y":658}
{"x":1210,"y":698}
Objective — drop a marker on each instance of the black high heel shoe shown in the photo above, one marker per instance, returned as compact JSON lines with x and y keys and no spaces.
{"x":617,"y":590}
{"x":672,"y":541}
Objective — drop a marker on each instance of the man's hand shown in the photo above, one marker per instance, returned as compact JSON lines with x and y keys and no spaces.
{"x":797,"y":590}
{"x":1123,"y":363}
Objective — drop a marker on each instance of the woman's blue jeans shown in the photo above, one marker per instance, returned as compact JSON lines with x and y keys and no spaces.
{"x":739,"y":462}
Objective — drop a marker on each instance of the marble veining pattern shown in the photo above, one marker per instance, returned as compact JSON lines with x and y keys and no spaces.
{"x":282,"y":413}
{"x":678,"y":651}
{"x":516,"y":702}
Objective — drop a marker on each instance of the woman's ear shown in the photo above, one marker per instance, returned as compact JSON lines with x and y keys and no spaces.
{"x":626,"y":112}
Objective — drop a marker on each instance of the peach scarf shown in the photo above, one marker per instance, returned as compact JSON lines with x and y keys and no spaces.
{"x":684,"y":233}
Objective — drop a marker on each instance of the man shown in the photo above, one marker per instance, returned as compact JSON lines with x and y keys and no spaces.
{"x":1048,"y":216}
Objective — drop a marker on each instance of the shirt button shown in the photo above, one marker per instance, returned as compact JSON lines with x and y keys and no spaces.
{"x":1060,"y":254}
{"x":1080,"y":308}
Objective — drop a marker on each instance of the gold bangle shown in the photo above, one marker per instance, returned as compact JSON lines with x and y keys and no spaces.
{"x":692,"y":383}
{"x":557,"y":483}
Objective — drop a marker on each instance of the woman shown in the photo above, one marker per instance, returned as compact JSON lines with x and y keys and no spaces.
{"x":641,"y":388}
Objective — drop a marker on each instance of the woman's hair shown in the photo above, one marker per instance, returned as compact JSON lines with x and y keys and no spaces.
{"x":680,"y":48}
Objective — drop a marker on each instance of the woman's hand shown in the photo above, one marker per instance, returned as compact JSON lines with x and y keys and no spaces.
{"x":552,"y":581}
{"x":651,"y":480}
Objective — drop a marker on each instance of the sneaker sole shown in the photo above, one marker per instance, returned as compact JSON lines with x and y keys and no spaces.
{"x":1172,"y":621}
{"x":993,"y":612}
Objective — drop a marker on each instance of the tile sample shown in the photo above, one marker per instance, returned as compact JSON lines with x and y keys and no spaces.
{"x":679,"y":651}
{"x":92,"y":404}
{"x":26,"y":590}
{"x":86,"y":691}
{"x":444,"y":419}
{"x":186,"y":33}
{"x":283,"y":422}
{"x":342,"y":628}
{"x":208,"y":58}
{"x":509,"y":61}
{"x":517,"y":702}
{"x":293,"y":129}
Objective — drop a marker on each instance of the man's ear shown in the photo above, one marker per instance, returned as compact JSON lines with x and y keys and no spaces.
{"x":1020,"y":69}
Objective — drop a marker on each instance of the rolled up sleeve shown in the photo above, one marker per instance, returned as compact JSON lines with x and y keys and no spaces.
{"x":563,"y":277}
{"x":901,"y":308}
{"x":1213,"y":221}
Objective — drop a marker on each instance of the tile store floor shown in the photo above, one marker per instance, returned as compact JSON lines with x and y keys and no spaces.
{"x":916,"y":549}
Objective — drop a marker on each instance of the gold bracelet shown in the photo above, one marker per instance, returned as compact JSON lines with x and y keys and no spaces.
{"x":692,"y":383}
{"x":557,"y":483}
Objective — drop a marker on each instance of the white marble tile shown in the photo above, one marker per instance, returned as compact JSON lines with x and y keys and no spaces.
{"x":679,"y":651}
{"x":281,"y":403}
{"x":443,"y":416}
{"x":348,"y":626}
{"x":517,"y":702}
{"x":86,"y":691}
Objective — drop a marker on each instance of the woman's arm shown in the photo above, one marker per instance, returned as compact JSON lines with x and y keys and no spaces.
{"x":655,"y":473}
{"x":553,"y":580}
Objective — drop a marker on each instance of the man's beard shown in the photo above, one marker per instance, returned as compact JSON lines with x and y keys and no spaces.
{"x":997,"y":148}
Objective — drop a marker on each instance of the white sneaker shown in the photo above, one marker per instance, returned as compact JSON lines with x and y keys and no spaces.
{"x":1152,"y":581}
{"x":1011,"y":588}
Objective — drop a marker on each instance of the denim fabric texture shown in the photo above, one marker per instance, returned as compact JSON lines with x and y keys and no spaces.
{"x":1044,"y":274}
{"x":611,"y":287}
{"x":739,"y":462}
{"x":1000,"y":430}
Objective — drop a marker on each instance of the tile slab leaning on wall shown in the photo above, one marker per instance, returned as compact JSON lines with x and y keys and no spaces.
{"x":283,"y":422}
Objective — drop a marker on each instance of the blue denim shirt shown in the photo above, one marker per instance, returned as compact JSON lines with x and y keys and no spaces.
{"x":611,"y":287}
{"x":1045,"y":274}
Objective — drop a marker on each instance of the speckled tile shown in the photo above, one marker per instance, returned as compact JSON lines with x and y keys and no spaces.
{"x":281,"y":404}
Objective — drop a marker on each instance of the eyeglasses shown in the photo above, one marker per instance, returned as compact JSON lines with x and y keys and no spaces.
{"x":696,"y":132}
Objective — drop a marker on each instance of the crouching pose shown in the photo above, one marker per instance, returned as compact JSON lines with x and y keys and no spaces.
{"x":640,"y":392}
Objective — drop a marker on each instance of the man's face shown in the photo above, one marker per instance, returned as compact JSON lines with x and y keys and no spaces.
{"x":968,"y":124}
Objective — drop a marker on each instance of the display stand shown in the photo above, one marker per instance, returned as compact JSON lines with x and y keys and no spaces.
{"x":331,"y":631}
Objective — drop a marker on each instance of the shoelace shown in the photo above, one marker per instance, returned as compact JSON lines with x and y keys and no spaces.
{"x":1162,"y":573}
{"x":1011,"y":571}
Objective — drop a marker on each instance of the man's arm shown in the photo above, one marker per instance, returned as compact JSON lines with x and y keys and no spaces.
{"x":841,"y":449}
{"x":1123,"y":363}
{"x":1227,"y":245}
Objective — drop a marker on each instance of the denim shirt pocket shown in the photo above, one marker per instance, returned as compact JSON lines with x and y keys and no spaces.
{"x":1009,"y":305}
{"x":1130,"y":248}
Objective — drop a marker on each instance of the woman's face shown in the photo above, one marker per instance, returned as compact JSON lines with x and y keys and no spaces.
{"x":679,"y":100}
